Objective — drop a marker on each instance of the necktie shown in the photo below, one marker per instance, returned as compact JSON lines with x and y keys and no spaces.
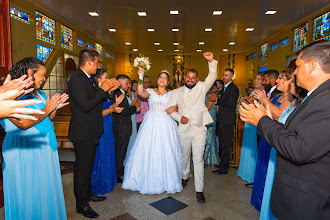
{"x":224,"y":89}
{"x":299,"y":106}
{"x":91,"y":79}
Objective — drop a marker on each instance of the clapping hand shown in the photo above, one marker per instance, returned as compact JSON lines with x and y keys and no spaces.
{"x":212,"y":97}
{"x":109,"y":84}
{"x":260,"y":95}
{"x":62,"y":101}
{"x":120,"y":98}
{"x":116,"y":86}
{"x":11,"y":109}
{"x":208,"y":56}
{"x":252,"y":113}
{"x":118,"y":109}
{"x":22,"y":85}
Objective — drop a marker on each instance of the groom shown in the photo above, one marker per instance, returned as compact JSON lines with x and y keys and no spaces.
{"x":193,"y":116}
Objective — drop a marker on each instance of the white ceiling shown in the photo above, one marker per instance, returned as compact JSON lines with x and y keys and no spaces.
{"x":194,"y":16}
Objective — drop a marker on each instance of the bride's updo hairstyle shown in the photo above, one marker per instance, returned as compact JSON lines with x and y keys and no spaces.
{"x":168,"y":87}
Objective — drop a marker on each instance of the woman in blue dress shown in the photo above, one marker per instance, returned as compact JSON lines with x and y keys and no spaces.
{"x":249,"y":153}
{"x":132,"y":100}
{"x":32,"y":181}
{"x":288,"y":87}
{"x":211,"y":153}
{"x":104,"y":176}
{"x":278,"y":104}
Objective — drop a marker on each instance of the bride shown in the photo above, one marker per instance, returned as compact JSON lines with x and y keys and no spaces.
{"x":154,"y":164}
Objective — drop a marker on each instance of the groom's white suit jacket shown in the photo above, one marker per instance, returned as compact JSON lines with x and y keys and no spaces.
{"x":192,"y":104}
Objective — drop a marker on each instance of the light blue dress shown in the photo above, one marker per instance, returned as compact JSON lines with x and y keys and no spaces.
{"x":266,"y":213}
{"x":32,"y":181}
{"x":211,"y":153}
{"x":249,"y":153}
{"x":134,"y":131}
{"x":154,"y":163}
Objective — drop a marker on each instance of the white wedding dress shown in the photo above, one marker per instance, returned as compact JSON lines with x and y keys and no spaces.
{"x":154,"y":164}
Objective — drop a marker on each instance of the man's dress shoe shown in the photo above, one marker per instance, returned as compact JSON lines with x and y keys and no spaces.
{"x":87,"y":211}
{"x":200,"y":197}
{"x":219,"y":172}
{"x":95,"y":198}
{"x":184,"y":182}
{"x":120,"y":179}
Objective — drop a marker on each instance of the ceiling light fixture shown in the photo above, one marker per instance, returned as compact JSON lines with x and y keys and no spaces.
{"x":142,"y":14}
{"x":157,"y":43}
{"x":151,"y":29}
{"x":94,"y":14}
{"x":201,"y":43}
{"x":176,"y":50}
{"x":176,"y":43}
{"x":225,"y":50}
{"x":208,"y":29}
{"x":128,"y":43}
{"x":175,"y":29}
{"x":271,"y":12}
{"x":249,"y":29}
{"x":199,"y":50}
{"x":112,"y":29}
{"x":231,"y":43}
{"x":174,"y":12}
{"x":160,"y":50}
{"x":217,"y":12}
{"x":135,"y":50}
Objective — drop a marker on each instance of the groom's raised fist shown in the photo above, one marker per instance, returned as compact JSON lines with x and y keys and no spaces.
{"x":208,"y":56}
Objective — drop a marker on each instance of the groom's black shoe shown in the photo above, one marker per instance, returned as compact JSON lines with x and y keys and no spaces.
{"x":200,"y":197}
{"x":87,"y":211}
{"x":184,"y":182}
{"x":219,"y":172}
{"x":95,"y":198}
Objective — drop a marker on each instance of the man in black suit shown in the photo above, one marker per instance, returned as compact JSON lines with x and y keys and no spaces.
{"x":226,"y":119}
{"x":269,"y":82}
{"x":86,"y":126}
{"x":122,"y":126}
{"x":301,"y":188}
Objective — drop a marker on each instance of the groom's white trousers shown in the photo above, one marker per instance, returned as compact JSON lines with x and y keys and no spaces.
{"x":193,"y":139}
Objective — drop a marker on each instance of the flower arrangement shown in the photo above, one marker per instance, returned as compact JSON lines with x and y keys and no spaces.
{"x":142,"y":62}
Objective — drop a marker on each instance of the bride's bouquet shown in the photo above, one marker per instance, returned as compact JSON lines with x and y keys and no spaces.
{"x":142,"y":62}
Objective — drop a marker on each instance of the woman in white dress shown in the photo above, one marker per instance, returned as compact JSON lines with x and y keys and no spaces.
{"x":154,"y":163}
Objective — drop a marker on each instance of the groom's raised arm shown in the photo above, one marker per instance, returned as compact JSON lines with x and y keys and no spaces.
{"x":173,"y":103}
{"x":212,"y":75}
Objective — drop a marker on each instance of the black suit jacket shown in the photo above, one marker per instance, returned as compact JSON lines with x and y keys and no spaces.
{"x":122,"y":123}
{"x":227,"y":105}
{"x":274,"y":93}
{"x":301,"y":188}
{"x":86,"y":105}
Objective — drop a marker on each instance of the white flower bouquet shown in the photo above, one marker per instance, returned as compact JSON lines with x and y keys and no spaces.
{"x":144,"y":63}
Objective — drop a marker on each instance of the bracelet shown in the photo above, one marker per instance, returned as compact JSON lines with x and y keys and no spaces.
{"x":140,"y":79}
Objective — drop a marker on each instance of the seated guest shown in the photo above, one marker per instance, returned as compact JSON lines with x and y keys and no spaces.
{"x":211,"y":153}
{"x":144,"y":103}
{"x":249,"y":153}
{"x":31,"y":171}
{"x":302,"y":178}
{"x":122,"y":125}
{"x":104,"y":169}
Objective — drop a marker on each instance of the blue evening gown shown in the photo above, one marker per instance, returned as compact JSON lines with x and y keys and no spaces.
{"x":266,"y":213}
{"x":134,"y":131}
{"x":154,"y":163}
{"x":249,"y":153}
{"x":261,"y":167}
{"x":104,"y":169}
{"x":32,"y":181}
{"x":211,"y":153}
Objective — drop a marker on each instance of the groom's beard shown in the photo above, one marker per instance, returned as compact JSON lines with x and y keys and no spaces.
{"x":190,"y":87}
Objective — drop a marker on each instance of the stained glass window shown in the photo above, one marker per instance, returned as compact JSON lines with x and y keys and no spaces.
{"x":300,"y":37}
{"x":322,"y":27}
{"x":100,"y":66}
{"x":90,"y":46}
{"x":45,"y":28}
{"x":262,"y":68}
{"x":273,"y":47}
{"x":43,"y":52}
{"x":263,"y":52}
{"x":66,"y":37}
{"x":19,"y":15}
{"x":284,"y":42}
{"x":107,"y":55}
{"x":99,"y":49}
{"x":253,"y":55}
{"x":80,"y":43}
